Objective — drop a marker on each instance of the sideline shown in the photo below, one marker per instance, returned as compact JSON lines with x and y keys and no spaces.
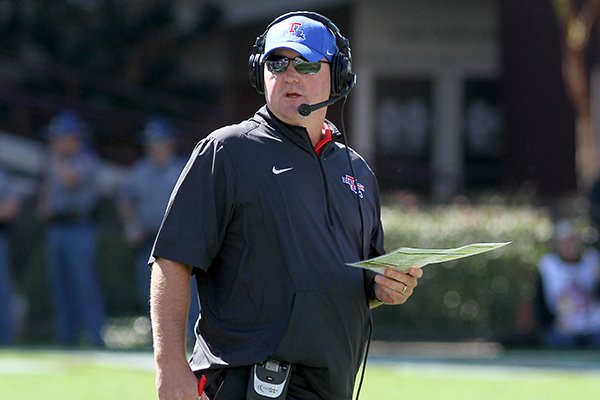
{"x":462,"y":358}
{"x":483,"y":357}
{"x":22,"y":360}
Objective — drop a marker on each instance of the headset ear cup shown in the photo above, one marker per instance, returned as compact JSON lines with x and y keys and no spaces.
{"x":256,"y":73}
{"x":342,"y":78}
{"x":260,"y":76}
{"x":334,"y":70}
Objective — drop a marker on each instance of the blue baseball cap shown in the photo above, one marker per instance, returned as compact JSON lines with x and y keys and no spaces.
{"x":66,"y":123}
{"x":158,"y":129}
{"x":310,"y":38}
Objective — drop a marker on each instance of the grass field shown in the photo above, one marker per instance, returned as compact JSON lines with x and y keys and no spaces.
{"x":64,"y":375}
{"x":451,"y":383}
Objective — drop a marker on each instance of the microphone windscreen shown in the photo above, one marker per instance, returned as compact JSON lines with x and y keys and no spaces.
{"x":304,"y":110}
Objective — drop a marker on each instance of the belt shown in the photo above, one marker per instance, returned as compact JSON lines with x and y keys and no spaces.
{"x":237,"y":382}
{"x":232,"y":383}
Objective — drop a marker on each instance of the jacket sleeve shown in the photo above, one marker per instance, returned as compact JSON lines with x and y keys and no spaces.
{"x":200,"y":208}
{"x":376,"y":247}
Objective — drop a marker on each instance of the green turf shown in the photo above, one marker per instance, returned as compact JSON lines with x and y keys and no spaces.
{"x":449,"y":384}
{"x":59,"y":376}
{"x":51,"y":375}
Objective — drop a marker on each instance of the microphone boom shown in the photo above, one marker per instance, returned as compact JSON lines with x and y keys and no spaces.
{"x":305,"y":109}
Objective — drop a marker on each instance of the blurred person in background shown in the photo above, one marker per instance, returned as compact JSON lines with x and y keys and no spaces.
{"x":570,"y":286}
{"x":593,"y":197}
{"x":68,"y":204}
{"x":144,"y":198}
{"x":9,"y":208}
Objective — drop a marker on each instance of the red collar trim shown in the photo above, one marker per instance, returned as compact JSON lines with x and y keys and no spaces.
{"x":327,"y":136}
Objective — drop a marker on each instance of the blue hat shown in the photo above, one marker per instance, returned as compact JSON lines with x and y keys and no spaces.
{"x":66,"y":123}
{"x":310,"y":38}
{"x":158,"y":129}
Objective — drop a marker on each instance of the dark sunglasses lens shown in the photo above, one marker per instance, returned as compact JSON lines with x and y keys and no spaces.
{"x":306,"y":67}
{"x":278,"y":65}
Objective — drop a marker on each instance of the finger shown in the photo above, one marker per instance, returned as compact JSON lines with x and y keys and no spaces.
{"x":389,"y":296}
{"x":415,"y":272}
{"x":412,"y":274}
{"x":405,"y":278}
{"x":400,"y":286}
{"x":396,"y":275}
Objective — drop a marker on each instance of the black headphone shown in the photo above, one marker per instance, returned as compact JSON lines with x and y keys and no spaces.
{"x":342,"y":77}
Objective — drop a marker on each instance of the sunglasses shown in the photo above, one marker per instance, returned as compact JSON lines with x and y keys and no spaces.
{"x":280,"y":64}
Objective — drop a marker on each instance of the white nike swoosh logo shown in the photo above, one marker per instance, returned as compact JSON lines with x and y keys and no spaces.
{"x":281,"y":171}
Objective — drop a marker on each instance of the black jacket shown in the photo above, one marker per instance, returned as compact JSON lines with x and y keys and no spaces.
{"x":268,"y":226}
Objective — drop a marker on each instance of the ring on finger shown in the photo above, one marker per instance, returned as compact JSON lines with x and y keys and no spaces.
{"x":404,"y":288}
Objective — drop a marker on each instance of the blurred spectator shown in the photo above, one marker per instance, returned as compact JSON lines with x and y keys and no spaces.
{"x":9,"y":207}
{"x":570,"y":289}
{"x":594,"y":210}
{"x":145,"y":195}
{"x":68,"y":202}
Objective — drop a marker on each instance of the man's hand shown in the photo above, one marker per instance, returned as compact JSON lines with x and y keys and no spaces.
{"x":396,"y":287}
{"x":176,"y":383}
{"x":169,"y":302}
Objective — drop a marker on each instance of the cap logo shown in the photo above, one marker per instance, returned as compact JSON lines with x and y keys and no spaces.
{"x":294,"y":25}
{"x":296,"y":33}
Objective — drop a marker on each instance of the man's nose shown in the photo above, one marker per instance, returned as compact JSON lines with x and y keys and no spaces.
{"x":291,"y":75}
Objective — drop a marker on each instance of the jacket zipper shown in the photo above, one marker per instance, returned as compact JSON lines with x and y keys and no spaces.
{"x":323,"y":180}
{"x":326,"y":188}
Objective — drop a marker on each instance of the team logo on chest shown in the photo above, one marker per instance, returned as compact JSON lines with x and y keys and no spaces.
{"x":354,"y":185}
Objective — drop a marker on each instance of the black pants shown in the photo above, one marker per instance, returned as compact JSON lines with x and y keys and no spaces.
{"x":232,"y":383}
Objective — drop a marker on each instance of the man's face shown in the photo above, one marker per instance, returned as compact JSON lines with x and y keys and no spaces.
{"x":569,"y":248}
{"x":65,"y":145}
{"x":160,"y":152}
{"x":285,"y":91}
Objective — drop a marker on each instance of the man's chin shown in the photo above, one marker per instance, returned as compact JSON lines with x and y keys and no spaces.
{"x":290,"y":115}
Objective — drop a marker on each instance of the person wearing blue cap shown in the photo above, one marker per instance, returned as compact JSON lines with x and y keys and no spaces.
{"x":265,"y":216}
{"x":144,"y":196}
{"x":68,"y":200}
{"x":9,"y":209}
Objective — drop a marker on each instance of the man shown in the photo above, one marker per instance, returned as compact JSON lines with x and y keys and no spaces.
{"x":68,"y":202}
{"x":9,"y":208}
{"x":144,"y":198}
{"x":265,"y":215}
{"x":145,"y":194}
{"x":570,"y":290}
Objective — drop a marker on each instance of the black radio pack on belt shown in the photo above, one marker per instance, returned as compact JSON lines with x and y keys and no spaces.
{"x":268,"y":380}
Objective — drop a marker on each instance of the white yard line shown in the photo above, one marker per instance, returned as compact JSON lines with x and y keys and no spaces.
{"x":55,"y":361}
{"x":484,"y":363}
